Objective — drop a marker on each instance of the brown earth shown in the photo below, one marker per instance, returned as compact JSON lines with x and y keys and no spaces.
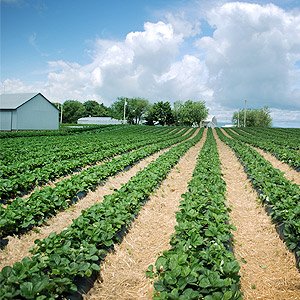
{"x":289,"y":172}
{"x":268,"y":269}
{"x":123,"y":271}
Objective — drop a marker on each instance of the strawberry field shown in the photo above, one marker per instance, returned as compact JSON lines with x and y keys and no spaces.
{"x":71,"y":201}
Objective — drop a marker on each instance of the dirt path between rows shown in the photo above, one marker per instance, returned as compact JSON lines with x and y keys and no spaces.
{"x":268,"y":269}
{"x":18,"y":247}
{"x":289,"y":172}
{"x":53,"y":182}
{"x":123,"y":271}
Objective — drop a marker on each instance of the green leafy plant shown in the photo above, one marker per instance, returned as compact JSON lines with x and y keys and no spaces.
{"x":200,"y":264}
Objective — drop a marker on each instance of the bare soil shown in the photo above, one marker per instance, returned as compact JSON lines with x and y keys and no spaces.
{"x":268,"y":269}
{"x":123,"y":271}
{"x":289,"y":172}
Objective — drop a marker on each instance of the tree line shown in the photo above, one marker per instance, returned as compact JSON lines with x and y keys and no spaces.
{"x":138,"y":110}
{"x":256,"y":117}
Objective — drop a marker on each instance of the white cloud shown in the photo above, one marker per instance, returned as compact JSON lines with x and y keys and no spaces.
{"x":17,"y":86}
{"x":181,"y":25}
{"x":254,"y":54}
{"x":251,"y":55}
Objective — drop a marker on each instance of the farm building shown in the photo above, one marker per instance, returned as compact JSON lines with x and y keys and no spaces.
{"x":210,"y":121}
{"x":29,"y":111}
{"x":99,"y":121}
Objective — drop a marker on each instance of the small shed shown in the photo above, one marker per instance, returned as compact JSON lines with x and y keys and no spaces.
{"x":210,"y":121}
{"x":99,"y":121}
{"x":27,"y":111}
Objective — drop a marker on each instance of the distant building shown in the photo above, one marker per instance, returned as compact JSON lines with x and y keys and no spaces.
{"x":228,"y":125}
{"x":27,"y":111}
{"x":210,"y":121}
{"x":99,"y":121}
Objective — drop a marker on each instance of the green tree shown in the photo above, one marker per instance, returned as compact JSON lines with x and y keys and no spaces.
{"x":177,"y":106}
{"x":160,"y":112}
{"x":191,"y":112}
{"x":135,"y":108}
{"x":94,"y":109}
{"x":72,"y":111}
{"x":259,"y":117}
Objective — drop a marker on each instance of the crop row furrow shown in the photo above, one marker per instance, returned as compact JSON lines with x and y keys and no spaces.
{"x":22,"y":214}
{"x":23,"y":149}
{"x":26,"y":181}
{"x":66,"y":149}
{"x":280,"y":196}
{"x":275,"y":136}
{"x":289,"y":156}
{"x":200,"y":263}
{"x":61,"y":260}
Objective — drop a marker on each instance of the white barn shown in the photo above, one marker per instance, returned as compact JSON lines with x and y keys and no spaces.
{"x":99,"y":121}
{"x":27,"y":111}
{"x":210,"y":121}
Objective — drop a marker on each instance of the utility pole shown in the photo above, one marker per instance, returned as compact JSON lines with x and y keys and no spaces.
{"x":61,"y":113}
{"x":245,"y":113}
{"x":238,"y":120}
{"x":124,"y":115}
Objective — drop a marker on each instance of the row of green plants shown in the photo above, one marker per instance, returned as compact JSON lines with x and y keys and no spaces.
{"x":27,"y":149}
{"x":24,"y":213}
{"x":295,"y":132}
{"x":63,"y":131}
{"x":26,"y":178}
{"x":276,"y":136}
{"x":24,"y":149}
{"x":280,"y":196}
{"x":289,"y":156}
{"x":200,"y":263}
{"x":60,"y":261}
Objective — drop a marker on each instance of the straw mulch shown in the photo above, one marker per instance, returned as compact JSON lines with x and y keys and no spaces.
{"x":123,"y":272}
{"x":268,"y":269}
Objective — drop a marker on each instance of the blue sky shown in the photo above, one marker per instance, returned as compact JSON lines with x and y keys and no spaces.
{"x":218,"y":51}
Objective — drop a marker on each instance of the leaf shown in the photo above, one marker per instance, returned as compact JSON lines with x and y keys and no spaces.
{"x":150,"y":272}
{"x":26,"y":289}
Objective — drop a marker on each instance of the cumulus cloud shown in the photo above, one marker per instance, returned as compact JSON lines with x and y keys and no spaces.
{"x":251,"y":55}
{"x":17,"y":86}
{"x":144,"y":64}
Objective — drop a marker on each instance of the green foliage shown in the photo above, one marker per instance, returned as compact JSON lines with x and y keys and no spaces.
{"x":190,"y":112}
{"x":254,"y":117}
{"x":199,"y":264}
{"x":94,"y":109}
{"x":61,"y":258}
{"x":161,"y":113}
{"x":22,"y":214}
{"x":72,"y":111}
{"x":134,"y":110}
{"x":280,"y":196}
{"x":285,"y":148}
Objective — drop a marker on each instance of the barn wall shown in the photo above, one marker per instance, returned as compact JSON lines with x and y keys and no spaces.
{"x":5,"y":119}
{"x":36,"y":114}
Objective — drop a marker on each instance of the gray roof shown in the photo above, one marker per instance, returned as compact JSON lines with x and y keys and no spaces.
{"x":13,"y":101}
